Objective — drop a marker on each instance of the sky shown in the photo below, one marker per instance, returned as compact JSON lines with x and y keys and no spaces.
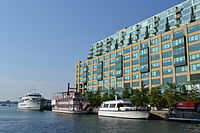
{"x":41,"y":40}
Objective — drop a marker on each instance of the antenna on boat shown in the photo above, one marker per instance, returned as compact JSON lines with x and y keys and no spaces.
{"x":68,"y":88}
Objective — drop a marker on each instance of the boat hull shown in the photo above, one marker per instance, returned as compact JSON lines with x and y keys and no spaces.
{"x":70,"y":112}
{"x":31,"y":105}
{"x":125,"y":114}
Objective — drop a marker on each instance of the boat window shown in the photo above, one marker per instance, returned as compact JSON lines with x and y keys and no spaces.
{"x":127,"y":105}
{"x":105,"y":105}
{"x":35,"y":95}
{"x":112,"y":105}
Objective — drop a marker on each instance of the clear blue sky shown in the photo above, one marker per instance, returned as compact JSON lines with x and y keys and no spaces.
{"x":41,"y":40}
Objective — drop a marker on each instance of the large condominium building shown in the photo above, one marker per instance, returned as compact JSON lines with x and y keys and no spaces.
{"x":163,"y":48}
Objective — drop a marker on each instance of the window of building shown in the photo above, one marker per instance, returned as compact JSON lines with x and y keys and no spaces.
{"x":112,"y":86}
{"x":167,"y":71}
{"x":166,"y":38}
{"x":118,"y":53}
{"x":127,"y":50}
{"x":112,"y":67}
{"x":127,"y":64}
{"x":112,"y":74}
{"x":167,"y":62}
{"x":144,"y":67}
{"x":181,"y":69}
{"x":112,"y":61}
{"x":136,"y":84}
{"x":145,"y":75}
{"x":144,"y":59}
{"x":135,"y":69}
{"x":144,"y":45}
{"x":134,"y":48}
{"x":166,"y":46}
{"x":195,"y":57}
{"x":167,"y":54}
{"x":180,"y":59}
{"x":195,"y":67}
{"x":194,"y":28}
{"x":168,"y":79}
{"x":179,"y":50}
{"x":105,"y":69}
{"x":145,"y":82}
{"x":181,"y":79}
{"x":105,"y":87}
{"x":155,"y":57}
{"x":178,"y":41}
{"x":127,"y":71}
{"x":106,"y":57}
{"x":135,"y":62}
{"x":127,"y":78}
{"x":154,"y":41}
{"x":135,"y":76}
{"x":105,"y":81}
{"x":112,"y":55}
{"x":106,"y":63}
{"x":155,"y":65}
{"x":112,"y":80}
{"x":155,"y":73}
{"x":155,"y":81}
{"x":135,"y":55}
{"x":143,"y":52}
{"x":119,"y":86}
{"x":155,"y":49}
{"x":194,"y":38}
{"x":119,"y":79}
{"x":179,"y":33}
{"x":194,"y":47}
{"x":127,"y":57}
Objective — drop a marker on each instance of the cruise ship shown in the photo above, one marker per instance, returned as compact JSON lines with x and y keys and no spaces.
{"x":31,"y":101}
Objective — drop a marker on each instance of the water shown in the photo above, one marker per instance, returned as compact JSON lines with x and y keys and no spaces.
{"x":13,"y":120}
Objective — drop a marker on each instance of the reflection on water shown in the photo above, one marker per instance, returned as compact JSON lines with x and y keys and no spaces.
{"x":14,"y":120}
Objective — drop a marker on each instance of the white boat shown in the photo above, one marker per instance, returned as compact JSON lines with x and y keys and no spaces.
{"x":122,"y":109}
{"x":69,"y":102}
{"x":31,"y":101}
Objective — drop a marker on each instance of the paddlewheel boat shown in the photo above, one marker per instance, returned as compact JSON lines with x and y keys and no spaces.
{"x":69,"y":102}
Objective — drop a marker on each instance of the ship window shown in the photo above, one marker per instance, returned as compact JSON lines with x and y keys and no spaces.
{"x":112,"y":105}
{"x":105,"y":105}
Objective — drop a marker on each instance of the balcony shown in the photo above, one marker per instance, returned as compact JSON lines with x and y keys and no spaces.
{"x":137,"y":27}
{"x":107,"y":49}
{"x":99,"y":50}
{"x":178,"y":10}
{"x":89,"y":57}
{"x":136,"y":32}
{"x":91,"y":49}
{"x":98,"y":53}
{"x":153,"y":31}
{"x":135,"y":38}
{"x":90,"y":53}
{"x":178,"y":16}
{"x":107,"y":45}
{"x":155,"y":25}
{"x":155,"y":19}
{"x":177,"y":23}
{"x":99,"y":45}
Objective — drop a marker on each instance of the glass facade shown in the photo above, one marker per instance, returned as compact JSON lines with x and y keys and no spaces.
{"x":163,"y":48}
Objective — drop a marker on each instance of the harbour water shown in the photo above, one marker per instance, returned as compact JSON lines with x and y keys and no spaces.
{"x":13,"y":120}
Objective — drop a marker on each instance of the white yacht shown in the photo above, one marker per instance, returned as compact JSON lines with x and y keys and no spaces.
{"x":122,"y":109}
{"x":31,"y":101}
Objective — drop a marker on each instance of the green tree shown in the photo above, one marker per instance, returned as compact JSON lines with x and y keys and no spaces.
{"x":112,"y":94}
{"x":126,"y":93}
{"x":140,"y":97}
{"x":171,"y":94}
{"x":105,"y":97}
{"x":156,"y":98}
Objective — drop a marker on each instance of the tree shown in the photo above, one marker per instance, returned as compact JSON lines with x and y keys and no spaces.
{"x":193,"y":94}
{"x":105,"y":97}
{"x":112,"y":94}
{"x":171,"y":94}
{"x":140,"y":97}
{"x":126,"y":93}
{"x":156,"y":98}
